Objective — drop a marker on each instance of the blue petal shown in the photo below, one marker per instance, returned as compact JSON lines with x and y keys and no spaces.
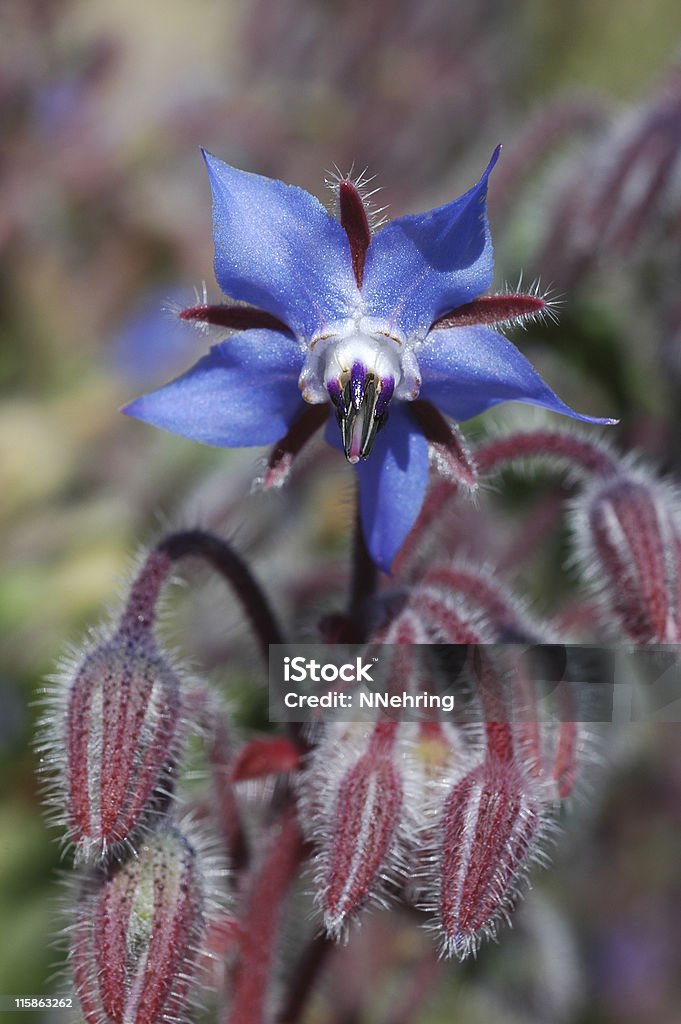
{"x":466,"y":370}
{"x":392,"y":484}
{"x":419,"y":267}
{"x":244,"y":392}
{"x":278,"y":248}
{"x":152,"y":343}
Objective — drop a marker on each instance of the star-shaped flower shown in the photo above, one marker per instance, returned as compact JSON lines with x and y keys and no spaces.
{"x":381,"y":329}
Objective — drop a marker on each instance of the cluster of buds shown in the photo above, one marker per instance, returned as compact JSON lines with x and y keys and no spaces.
{"x":625,"y":526}
{"x":442,"y":814}
{"x":114,"y":735}
{"x":448,"y":817}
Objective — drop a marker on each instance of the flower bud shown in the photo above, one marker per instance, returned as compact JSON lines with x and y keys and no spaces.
{"x":356,"y":820}
{"x":489,"y":827}
{"x":137,"y":933}
{"x":120,"y":734}
{"x":629,"y":545}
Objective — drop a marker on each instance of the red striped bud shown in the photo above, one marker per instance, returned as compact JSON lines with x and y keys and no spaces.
{"x":137,"y":934}
{"x":120,"y":735}
{"x":489,"y":828}
{"x":628,"y":543}
{"x":357,"y":821}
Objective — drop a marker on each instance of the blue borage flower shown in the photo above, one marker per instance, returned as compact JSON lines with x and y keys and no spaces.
{"x":382,"y":329}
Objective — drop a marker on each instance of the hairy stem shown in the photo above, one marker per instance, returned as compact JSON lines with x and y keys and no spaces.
{"x":260,"y":921}
{"x":234,"y":570}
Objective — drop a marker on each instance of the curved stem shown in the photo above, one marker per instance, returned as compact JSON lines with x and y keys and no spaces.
{"x":234,"y":570}
{"x":566,"y":451}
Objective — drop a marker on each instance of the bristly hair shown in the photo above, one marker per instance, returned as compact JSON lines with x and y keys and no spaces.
{"x":552,"y":299}
{"x":361,"y":182}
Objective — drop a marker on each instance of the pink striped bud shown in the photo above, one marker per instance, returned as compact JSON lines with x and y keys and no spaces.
{"x":112,"y":727}
{"x":628,"y":544}
{"x":489,"y":828}
{"x":120,"y":735}
{"x":357,"y":821}
{"x":137,"y":933}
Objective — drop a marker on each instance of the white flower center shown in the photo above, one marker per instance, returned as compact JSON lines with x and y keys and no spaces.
{"x":379,"y":355}
{"x":359,"y":366}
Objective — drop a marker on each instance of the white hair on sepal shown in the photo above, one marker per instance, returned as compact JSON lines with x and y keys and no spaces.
{"x":361,"y":181}
{"x":173,"y":310}
{"x":553,"y":301}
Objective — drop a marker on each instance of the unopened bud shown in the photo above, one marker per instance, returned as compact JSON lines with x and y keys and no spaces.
{"x":489,"y":827}
{"x":120,"y":737}
{"x":137,"y":934}
{"x":629,"y":545}
{"x":359,"y":836}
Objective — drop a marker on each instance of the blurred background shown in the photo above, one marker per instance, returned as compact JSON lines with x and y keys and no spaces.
{"x":105,"y":227}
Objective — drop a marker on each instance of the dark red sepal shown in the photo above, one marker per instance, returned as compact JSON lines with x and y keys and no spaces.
{"x":236,"y":318}
{"x":454,"y":462}
{"x":282,"y":455}
{"x":491,"y":309}
{"x":265,"y":755}
{"x":353,"y":217}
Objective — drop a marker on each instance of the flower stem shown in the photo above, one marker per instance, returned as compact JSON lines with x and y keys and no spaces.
{"x":260,"y":922}
{"x":222,"y":557}
{"x":207,"y":711}
{"x":363,"y":582}
{"x":305,"y":974}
